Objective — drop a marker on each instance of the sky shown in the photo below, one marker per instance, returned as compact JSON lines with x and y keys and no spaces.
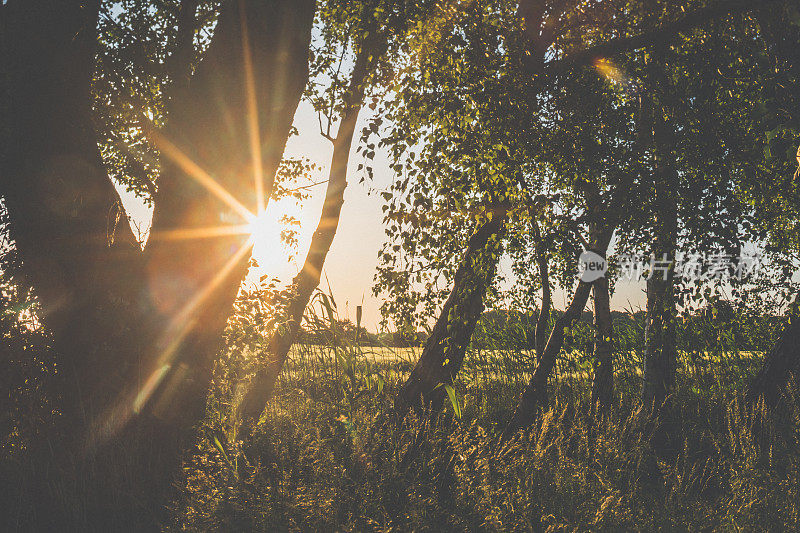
{"x":353,"y":258}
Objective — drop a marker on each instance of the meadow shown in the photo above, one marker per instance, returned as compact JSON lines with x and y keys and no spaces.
{"x":327,"y":454}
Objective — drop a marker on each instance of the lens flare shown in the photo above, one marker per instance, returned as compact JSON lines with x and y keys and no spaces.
{"x":270,"y":250}
{"x":610,"y":71}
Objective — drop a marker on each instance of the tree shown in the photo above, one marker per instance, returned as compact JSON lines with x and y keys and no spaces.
{"x":774,"y":192}
{"x":660,"y":359}
{"x":458,"y":102}
{"x":662,"y":308}
{"x":136,"y":332}
{"x":605,"y":214}
{"x":466,"y":116}
{"x":373,"y":27}
{"x":444,"y":351}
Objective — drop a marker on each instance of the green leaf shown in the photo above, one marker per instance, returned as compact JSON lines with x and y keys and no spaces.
{"x":454,"y":401}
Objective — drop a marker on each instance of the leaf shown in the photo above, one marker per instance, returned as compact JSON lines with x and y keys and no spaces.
{"x":326,"y":302}
{"x":454,"y":401}
{"x":218,"y":445}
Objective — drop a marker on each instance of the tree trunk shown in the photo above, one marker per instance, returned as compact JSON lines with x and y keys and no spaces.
{"x":534,"y":397}
{"x":135,"y":333}
{"x":543,"y":320}
{"x":660,"y":363}
{"x":444,"y":350}
{"x":262,"y":386}
{"x":781,"y":365}
{"x":603,"y":382}
{"x":660,"y":358}
{"x":64,"y":211}
{"x":535,"y":394}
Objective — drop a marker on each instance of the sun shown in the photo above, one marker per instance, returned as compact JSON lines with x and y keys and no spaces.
{"x":270,"y":249}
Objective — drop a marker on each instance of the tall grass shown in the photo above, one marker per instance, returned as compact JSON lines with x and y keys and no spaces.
{"x":325,"y":456}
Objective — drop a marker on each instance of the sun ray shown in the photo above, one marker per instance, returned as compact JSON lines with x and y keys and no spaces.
{"x":252,"y":116}
{"x":192,"y":169}
{"x":201,"y":233}
{"x":180,"y":326}
{"x":168,"y":343}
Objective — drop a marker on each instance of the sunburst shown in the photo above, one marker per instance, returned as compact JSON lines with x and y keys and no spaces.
{"x":262,"y":228}
{"x":270,"y":250}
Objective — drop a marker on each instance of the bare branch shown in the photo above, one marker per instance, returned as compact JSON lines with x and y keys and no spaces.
{"x":326,"y":134}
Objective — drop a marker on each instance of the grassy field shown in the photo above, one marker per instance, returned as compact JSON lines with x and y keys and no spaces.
{"x":326,"y":457}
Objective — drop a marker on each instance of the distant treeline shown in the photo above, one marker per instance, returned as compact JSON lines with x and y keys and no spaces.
{"x":345,"y":332}
{"x":716,"y":328}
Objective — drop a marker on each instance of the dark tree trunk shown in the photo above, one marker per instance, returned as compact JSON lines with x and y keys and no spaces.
{"x":135,"y":333}
{"x":603,"y":382}
{"x":781,"y":365}
{"x":543,"y":320}
{"x":262,"y":386}
{"x":444,"y":350}
{"x":660,"y":360}
{"x":77,"y":251}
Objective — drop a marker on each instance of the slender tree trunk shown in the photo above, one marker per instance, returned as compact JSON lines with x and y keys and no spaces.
{"x":543,"y":320}
{"x":534,"y":397}
{"x":135,"y":333}
{"x":444,"y":350}
{"x":603,"y":382}
{"x":262,"y":386}
{"x":660,"y":363}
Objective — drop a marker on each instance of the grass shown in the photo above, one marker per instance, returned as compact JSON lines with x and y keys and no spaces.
{"x":326,"y":458}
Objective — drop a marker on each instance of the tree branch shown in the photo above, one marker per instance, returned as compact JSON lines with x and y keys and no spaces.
{"x":180,"y":63}
{"x":662,"y":34}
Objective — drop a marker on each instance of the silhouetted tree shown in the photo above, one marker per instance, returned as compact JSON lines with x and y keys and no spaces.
{"x":136,"y":331}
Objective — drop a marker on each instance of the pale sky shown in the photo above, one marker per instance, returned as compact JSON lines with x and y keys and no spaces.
{"x":353,"y":259}
{"x":351,"y":264}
